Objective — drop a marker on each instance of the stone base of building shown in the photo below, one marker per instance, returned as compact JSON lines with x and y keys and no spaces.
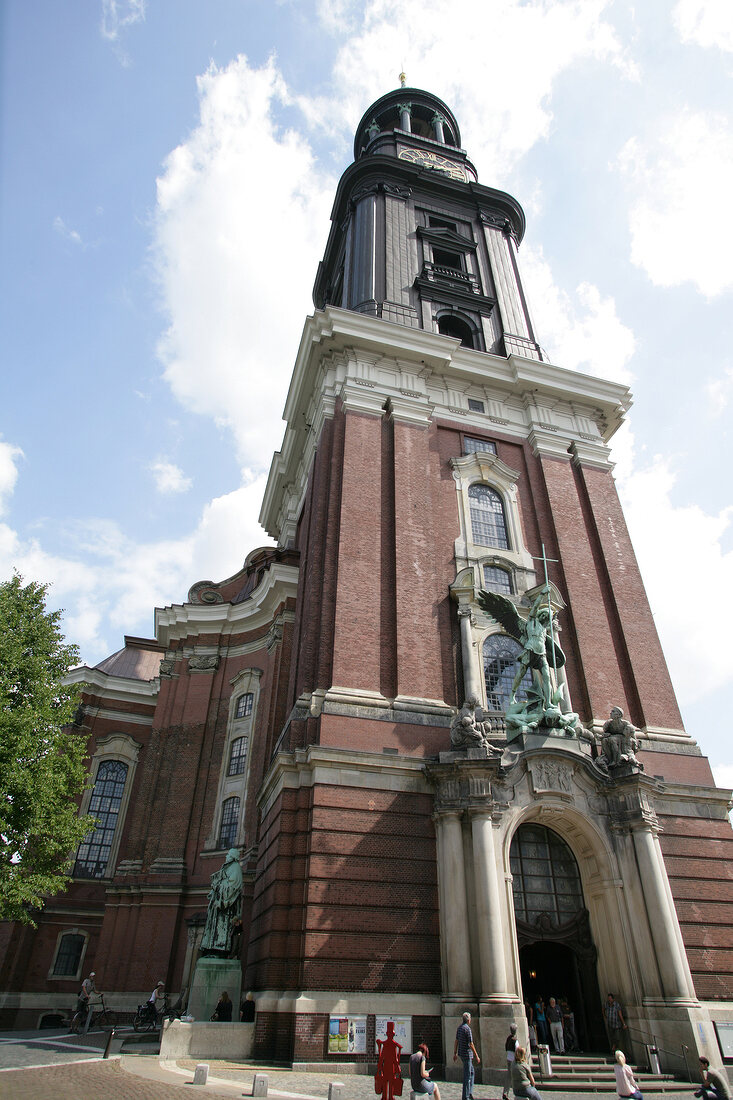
{"x":201,"y":1040}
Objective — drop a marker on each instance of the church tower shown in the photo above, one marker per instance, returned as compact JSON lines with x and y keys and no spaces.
{"x":433,"y":459}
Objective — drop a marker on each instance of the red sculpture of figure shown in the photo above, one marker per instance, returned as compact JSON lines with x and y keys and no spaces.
{"x":388,"y":1079}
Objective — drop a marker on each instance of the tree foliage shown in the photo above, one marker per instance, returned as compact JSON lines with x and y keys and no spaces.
{"x":42,"y":755}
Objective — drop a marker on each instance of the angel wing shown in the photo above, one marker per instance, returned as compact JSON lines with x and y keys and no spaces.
{"x":504,"y":612}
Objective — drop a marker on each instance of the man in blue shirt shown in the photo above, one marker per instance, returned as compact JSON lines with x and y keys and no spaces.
{"x":464,"y":1047}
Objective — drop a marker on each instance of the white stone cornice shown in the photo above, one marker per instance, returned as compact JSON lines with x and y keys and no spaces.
{"x":586,"y":453}
{"x":544,"y":442}
{"x":120,"y":688}
{"x":410,"y":409}
{"x":183,"y":620}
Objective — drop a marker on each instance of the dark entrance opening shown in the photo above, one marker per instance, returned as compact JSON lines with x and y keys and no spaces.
{"x":556,"y":950}
{"x":552,"y":969}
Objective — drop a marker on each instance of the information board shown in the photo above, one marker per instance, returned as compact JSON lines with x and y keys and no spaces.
{"x":347,"y":1034}
{"x":724,"y":1031}
{"x":402,"y":1031}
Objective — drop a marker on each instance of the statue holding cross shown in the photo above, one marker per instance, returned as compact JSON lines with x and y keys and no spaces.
{"x":540,"y":652}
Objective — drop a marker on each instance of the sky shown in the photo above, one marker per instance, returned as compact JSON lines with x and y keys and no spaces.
{"x":167,"y":169}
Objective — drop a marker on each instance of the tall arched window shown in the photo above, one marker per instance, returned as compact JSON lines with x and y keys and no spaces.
{"x":488,"y":523}
{"x":449,"y":325}
{"x":229,"y":823}
{"x":501,"y":654}
{"x":109,"y":786}
{"x":68,"y":955}
{"x":545,"y":876}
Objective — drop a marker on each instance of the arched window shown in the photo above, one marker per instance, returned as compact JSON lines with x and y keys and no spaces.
{"x":545,"y":875}
{"x":229,"y":823}
{"x":68,"y":955}
{"x":497,"y":579}
{"x":244,"y":705}
{"x":488,"y":523}
{"x":109,"y":786}
{"x":501,"y":654}
{"x":238,"y":756}
{"x":449,"y":325}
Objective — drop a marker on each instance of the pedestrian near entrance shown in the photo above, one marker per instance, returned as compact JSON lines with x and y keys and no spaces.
{"x":554,"y":1018}
{"x":615,"y":1023}
{"x":464,"y":1048}
{"x":626,"y":1086}
{"x":420,"y":1074}
{"x":522,"y":1079}
{"x":540,"y":1021}
{"x":510,"y":1046}
{"x":83,"y":1003}
{"x":714,"y":1082}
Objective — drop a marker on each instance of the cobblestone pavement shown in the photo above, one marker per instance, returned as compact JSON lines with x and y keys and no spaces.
{"x":57,"y":1066}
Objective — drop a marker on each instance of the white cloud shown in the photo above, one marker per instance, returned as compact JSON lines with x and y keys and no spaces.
{"x":685,"y":168}
{"x":580,"y":332}
{"x":169,"y":478}
{"x":720,"y":391}
{"x":498,"y":78}
{"x":66,"y":232}
{"x":670,"y":540}
{"x":705,"y":22}
{"x":9,"y":454}
{"x":241,"y":221}
{"x":111,"y":583}
{"x":118,"y":15}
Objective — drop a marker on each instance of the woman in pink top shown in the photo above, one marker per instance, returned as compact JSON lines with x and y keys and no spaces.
{"x":626,"y":1086}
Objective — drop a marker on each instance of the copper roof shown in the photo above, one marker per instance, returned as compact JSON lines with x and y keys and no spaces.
{"x":138,"y":660}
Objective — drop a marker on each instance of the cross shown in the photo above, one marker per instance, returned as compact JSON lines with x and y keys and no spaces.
{"x":544,"y":559}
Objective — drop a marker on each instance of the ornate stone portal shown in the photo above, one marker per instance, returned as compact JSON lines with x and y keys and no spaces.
{"x":630,"y":940}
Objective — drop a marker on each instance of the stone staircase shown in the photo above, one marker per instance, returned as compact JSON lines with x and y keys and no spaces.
{"x":594,"y":1074}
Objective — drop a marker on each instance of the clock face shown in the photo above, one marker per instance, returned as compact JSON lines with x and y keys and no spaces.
{"x":424,"y":158}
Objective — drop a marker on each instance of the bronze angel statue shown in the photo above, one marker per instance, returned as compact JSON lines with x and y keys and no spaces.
{"x":540,"y":649}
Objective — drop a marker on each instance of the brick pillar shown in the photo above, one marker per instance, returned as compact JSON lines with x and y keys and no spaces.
{"x":600,"y":650}
{"x":356,"y":636}
{"x":418,"y":598}
{"x":655,"y":695}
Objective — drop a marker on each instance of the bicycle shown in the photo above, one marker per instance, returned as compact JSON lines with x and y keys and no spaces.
{"x":147,"y":1018}
{"x":83,"y":1021}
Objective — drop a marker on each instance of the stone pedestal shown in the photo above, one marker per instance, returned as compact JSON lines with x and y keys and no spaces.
{"x":210,"y":978}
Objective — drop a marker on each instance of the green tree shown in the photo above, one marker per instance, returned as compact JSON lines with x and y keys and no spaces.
{"x":42,"y":755}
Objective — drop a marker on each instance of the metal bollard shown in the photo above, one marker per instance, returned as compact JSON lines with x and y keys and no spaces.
{"x":259,"y":1085}
{"x":108,"y":1044}
{"x":201,"y":1074}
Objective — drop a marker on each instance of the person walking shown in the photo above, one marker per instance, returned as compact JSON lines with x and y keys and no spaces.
{"x":464,"y":1048}
{"x":156,"y":1001}
{"x":626,"y":1086}
{"x":510,"y":1046}
{"x":83,"y":1003}
{"x":570,"y":1037}
{"x":420,"y":1074}
{"x":615,"y":1023}
{"x":523,"y":1081}
{"x":554,"y":1018}
{"x":714,"y":1083}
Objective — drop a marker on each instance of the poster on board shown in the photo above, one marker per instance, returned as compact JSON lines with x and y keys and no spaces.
{"x":402,"y":1031}
{"x":347,"y":1034}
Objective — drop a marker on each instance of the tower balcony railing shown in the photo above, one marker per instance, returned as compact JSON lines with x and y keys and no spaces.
{"x":438,"y":273}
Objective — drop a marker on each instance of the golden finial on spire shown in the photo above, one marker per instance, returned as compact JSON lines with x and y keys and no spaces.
{"x":403,"y":79}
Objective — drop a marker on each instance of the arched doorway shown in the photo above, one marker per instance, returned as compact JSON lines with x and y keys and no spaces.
{"x":556,"y":950}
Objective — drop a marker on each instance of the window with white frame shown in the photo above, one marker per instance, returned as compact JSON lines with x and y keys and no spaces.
{"x":488,"y":523}
{"x":113,"y":770}
{"x":228,"y":824}
{"x":244,"y":705}
{"x":238,"y":756}
{"x":472,"y":444}
{"x":94,"y":852}
{"x":497,"y":579}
